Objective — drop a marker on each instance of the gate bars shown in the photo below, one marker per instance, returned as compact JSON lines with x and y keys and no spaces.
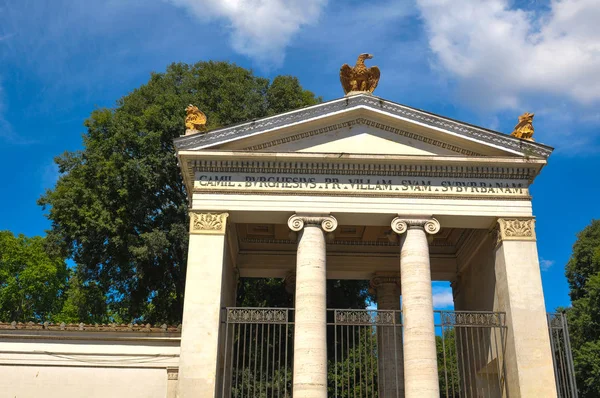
{"x":471,"y":346}
{"x":365,"y":353}
{"x":564,"y":371}
{"x":257,"y":360}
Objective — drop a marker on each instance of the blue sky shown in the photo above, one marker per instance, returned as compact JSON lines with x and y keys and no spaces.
{"x":483,"y":62}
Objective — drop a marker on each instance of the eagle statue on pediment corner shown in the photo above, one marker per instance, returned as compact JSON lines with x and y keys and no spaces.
{"x":359,"y":78}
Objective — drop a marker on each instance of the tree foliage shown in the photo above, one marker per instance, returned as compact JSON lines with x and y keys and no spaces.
{"x":32,"y":281}
{"x":119,"y":208}
{"x":583,"y":274}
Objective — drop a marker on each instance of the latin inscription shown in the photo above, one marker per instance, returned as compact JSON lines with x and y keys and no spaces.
{"x":209,"y":181}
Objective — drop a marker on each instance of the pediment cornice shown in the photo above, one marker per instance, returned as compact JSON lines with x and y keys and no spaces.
{"x":460,"y":129}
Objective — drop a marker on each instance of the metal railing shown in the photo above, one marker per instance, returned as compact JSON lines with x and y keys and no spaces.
{"x":564,"y":371}
{"x":365,"y":353}
{"x":470,"y":347}
{"x":257,"y":353}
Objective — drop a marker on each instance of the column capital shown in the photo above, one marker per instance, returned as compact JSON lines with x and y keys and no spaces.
{"x":514,"y":228}
{"x":327,"y":222}
{"x":208,"y":223}
{"x":380,"y":279}
{"x":401,"y":224}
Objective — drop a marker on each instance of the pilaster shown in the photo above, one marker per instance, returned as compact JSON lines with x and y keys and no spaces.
{"x":529,"y":368}
{"x":206,"y":282}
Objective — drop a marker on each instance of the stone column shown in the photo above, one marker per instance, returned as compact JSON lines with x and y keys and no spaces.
{"x":199,"y":355}
{"x":389,"y":336}
{"x":310,"y":334}
{"x":528,"y":358}
{"x":420,"y":361}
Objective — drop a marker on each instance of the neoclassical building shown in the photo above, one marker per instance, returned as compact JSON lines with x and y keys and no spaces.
{"x":367,"y":189}
{"x":358,"y":188}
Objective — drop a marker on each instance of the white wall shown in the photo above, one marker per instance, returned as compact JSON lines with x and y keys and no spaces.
{"x":42,"y":363}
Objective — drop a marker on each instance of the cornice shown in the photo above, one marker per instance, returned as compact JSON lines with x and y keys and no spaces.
{"x":497,"y":139}
{"x":518,"y":171}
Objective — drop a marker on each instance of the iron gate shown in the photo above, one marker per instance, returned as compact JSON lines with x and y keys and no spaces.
{"x":257,"y":354}
{"x":562,"y":357}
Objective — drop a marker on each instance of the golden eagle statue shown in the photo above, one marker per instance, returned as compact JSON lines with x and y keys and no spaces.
{"x":524,"y":129}
{"x":195,"y":120}
{"x":359,"y":78}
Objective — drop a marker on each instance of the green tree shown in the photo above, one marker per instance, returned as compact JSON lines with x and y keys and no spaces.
{"x":32,"y":281}
{"x":119,"y":208}
{"x":447,"y":360}
{"x":583,"y":274}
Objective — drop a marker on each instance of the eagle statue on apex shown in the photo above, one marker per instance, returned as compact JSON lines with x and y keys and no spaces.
{"x":359,"y":78}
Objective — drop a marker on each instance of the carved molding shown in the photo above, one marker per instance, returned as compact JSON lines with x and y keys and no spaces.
{"x":515,"y":229}
{"x":401,"y":224}
{"x":298,"y":221}
{"x":208,"y":223}
{"x":518,"y":172}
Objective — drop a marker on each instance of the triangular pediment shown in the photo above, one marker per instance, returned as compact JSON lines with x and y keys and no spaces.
{"x":356,"y":136}
{"x":363,"y":124}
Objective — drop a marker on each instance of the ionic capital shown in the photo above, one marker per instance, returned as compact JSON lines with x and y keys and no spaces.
{"x":401,"y":224}
{"x":327,"y":222}
{"x":522,"y":228}
{"x":208,"y":223}
{"x":379,"y":280}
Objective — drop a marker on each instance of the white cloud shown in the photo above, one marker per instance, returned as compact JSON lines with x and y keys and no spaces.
{"x":546,"y":264}
{"x":502,"y":55}
{"x":442,"y":297}
{"x":260,"y":29}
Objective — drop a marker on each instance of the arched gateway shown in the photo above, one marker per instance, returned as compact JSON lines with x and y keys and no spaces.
{"x":363,"y":188}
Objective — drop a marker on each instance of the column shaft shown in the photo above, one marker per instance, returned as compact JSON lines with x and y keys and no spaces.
{"x":389,"y":338}
{"x":420,"y":359}
{"x":310,"y":335}
{"x":310,"y":325}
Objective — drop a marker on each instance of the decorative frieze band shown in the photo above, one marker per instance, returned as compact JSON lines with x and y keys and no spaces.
{"x":298,"y":221}
{"x":515,"y":229}
{"x":367,"y":169}
{"x":208,"y":223}
{"x":400,"y":225}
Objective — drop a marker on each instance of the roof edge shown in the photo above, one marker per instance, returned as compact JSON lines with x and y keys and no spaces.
{"x":470,"y":131}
